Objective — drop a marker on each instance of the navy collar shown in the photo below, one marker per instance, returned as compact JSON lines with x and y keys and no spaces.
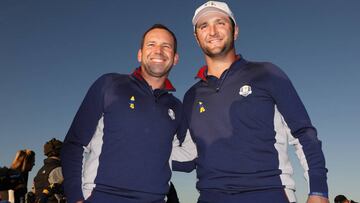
{"x":203,"y":71}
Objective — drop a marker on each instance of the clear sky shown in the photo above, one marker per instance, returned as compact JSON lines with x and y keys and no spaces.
{"x":52,"y":51}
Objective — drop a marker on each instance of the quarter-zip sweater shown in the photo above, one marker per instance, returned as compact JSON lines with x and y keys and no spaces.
{"x":120,"y":140}
{"x":242,"y":123}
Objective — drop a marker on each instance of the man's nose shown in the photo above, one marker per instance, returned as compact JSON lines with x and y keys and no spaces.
{"x":157,"y":49}
{"x":213,"y":30}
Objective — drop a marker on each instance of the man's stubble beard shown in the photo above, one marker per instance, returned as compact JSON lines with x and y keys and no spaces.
{"x":228,"y":46}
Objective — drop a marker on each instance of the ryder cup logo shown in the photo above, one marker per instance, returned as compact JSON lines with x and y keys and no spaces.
{"x":171,"y":114}
{"x":245,"y":90}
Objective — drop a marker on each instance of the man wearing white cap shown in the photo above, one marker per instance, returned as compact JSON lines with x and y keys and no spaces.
{"x":242,"y":115}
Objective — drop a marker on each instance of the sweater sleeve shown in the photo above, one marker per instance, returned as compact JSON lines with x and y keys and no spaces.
{"x":184,"y":150}
{"x":183,"y":154}
{"x":79,"y":136}
{"x":297,"y":119}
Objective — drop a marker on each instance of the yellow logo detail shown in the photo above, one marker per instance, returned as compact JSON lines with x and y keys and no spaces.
{"x":132,"y":102}
{"x":201,"y":107}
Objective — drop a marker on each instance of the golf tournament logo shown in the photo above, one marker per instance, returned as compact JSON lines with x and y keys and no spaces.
{"x":132,"y":102}
{"x":201,"y":107}
{"x":245,"y":90}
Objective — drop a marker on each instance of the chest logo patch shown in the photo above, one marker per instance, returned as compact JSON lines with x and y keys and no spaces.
{"x":245,"y":90}
{"x":132,"y":102}
{"x":201,"y":107}
{"x":171,"y":114}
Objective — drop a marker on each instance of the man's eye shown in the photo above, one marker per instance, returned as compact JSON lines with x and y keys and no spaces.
{"x":203,"y":26}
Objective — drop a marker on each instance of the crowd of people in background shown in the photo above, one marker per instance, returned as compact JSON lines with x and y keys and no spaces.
{"x":47,"y":184}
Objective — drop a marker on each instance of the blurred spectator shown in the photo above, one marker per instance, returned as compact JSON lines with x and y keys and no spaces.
{"x":49,"y":179}
{"x":342,"y":199}
{"x":18,"y":174}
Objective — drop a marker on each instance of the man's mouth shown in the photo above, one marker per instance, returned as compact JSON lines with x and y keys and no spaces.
{"x":214,"y":40}
{"x":157,"y":60}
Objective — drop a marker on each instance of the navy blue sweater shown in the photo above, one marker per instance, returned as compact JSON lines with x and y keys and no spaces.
{"x":241,"y":124}
{"x":120,"y":140}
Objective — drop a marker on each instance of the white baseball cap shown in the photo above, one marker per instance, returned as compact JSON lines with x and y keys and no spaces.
{"x":212,"y":6}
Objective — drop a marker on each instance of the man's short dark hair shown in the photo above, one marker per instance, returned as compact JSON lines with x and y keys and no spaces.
{"x":232,"y":25}
{"x":159,"y":26}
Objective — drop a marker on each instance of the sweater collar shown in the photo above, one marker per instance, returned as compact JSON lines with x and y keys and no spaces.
{"x":203,"y":71}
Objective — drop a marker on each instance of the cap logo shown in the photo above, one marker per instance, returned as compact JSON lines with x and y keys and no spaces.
{"x":245,"y":90}
{"x":171,"y":114}
{"x":210,"y":3}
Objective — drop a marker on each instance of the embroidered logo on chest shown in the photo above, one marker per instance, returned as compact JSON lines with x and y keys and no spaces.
{"x":171,"y":114}
{"x":201,"y":107}
{"x":245,"y":90}
{"x":132,"y":102}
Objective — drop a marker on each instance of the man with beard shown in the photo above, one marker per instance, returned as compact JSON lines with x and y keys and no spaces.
{"x":119,"y":144}
{"x":242,"y":115}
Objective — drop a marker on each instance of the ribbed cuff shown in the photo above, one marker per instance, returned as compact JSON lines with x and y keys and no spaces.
{"x":322,"y":194}
{"x":318,"y":184}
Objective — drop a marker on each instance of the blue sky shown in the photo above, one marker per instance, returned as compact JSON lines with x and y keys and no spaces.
{"x":51,"y":52}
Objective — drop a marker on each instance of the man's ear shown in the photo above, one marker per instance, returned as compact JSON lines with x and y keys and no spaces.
{"x":139,"y":55}
{"x":196,"y":38}
{"x":176,"y":59}
{"x":236,"y":32}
